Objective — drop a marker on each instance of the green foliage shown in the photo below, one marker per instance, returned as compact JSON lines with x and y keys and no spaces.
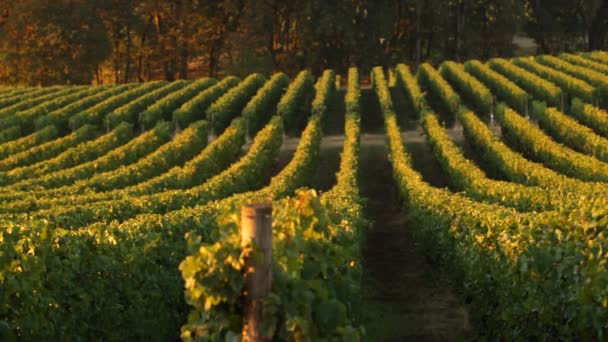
{"x":329,"y":308}
{"x":408,"y":82}
{"x":538,"y":87}
{"x":582,"y":73}
{"x":214,"y":158}
{"x":194,"y":109}
{"x":211,"y":160}
{"x":290,"y":106}
{"x":325,"y":92}
{"x":122,"y":156}
{"x":95,"y":115}
{"x":10,"y":133}
{"x":263,"y":105}
{"x":302,"y":166}
{"x":313,"y":269}
{"x":231,"y":104}
{"x":501,"y":86}
{"x":570,"y":132}
{"x":468,"y":85}
{"x":162,"y":109}
{"x":430,"y":79}
{"x":522,"y":272}
{"x":26,"y":118}
{"x":464,"y":175}
{"x":84,"y":152}
{"x":533,"y":142}
{"x":573,"y":86}
{"x":182,"y":148}
{"x":49,"y":149}
{"x":41,"y":136}
{"x":34,"y":101}
{"x":131,"y":110}
{"x":584,"y":62}
{"x":24,"y":95}
{"x":591,"y":116}
{"x":60,"y":117}
{"x":246,"y":174}
{"x":514,"y":166}
{"x":597,"y":56}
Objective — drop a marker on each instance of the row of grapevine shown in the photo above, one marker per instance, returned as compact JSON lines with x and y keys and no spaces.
{"x":60,"y":117}
{"x":129,"y":111}
{"x":513,"y":166}
{"x":430,"y":79}
{"x":465,"y":176}
{"x":591,"y":116}
{"x":338,"y":242}
{"x":49,"y":149}
{"x":533,"y":142}
{"x":155,"y":306}
{"x":176,"y":151}
{"x":598,"y":56}
{"x":569,"y":84}
{"x":16,"y":98}
{"x":570,"y":132}
{"x":11,"y":92}
{"x":594,"y":78}
{"x":537,"y":87}
{"x":468,"y":85}
{"x":10,"y":133}
{"x":37,"y":100}
{"x":122,"y":156}
{"x":194,"y":109}
{"x":211,"y":160}
{"x":584,"y":62}
{"x":162,"y":109}
{"x":182,"y":148}
{"x":301,"y":168}
{"x":455,"y":229}
{"x":406,"y":80}
{"x":263,"y":105}
{"x":26,"y":118}
{"x":231,"y":104}
{"x":108,"y":260}
{"x":95,"y":115}
{"x":298,"y":172}
{"x":296,"y":96}
{"x":81,"y":153}
{"x":501,"y":86}
{"x":44,"y":135}
{"x":137,"y":169}
{"x":244,"y":175}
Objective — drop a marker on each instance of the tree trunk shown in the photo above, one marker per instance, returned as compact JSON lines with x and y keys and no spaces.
{"x":418,"y":32}
{"x":599,"y":27}
{"x":460,"y":20}
{"x":212,"y":64}
{"x":140,"y":63}
{"x":128,"y":57}
{"x":185,"y":53}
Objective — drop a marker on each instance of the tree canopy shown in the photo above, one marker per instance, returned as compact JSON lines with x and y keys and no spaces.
{"x":81,"y":41}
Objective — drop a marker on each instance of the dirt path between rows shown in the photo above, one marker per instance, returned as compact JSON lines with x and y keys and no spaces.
{"x":406,"y":297}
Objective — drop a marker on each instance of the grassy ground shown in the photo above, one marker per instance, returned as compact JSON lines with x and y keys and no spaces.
{"x":406,"y":296}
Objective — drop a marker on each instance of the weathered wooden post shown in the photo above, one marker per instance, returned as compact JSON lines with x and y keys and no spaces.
{"x":256,"y":229}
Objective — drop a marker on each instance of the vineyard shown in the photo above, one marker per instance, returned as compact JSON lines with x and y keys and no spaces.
{"x":120,"y":204}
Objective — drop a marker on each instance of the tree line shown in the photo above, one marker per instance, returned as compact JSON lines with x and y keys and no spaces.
{"x":83,"y":41}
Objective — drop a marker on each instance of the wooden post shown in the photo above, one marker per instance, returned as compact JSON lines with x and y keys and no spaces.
{"x":256,"y":230}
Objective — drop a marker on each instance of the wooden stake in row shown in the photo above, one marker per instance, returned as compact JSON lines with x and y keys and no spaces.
{"x":256,"y":231}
